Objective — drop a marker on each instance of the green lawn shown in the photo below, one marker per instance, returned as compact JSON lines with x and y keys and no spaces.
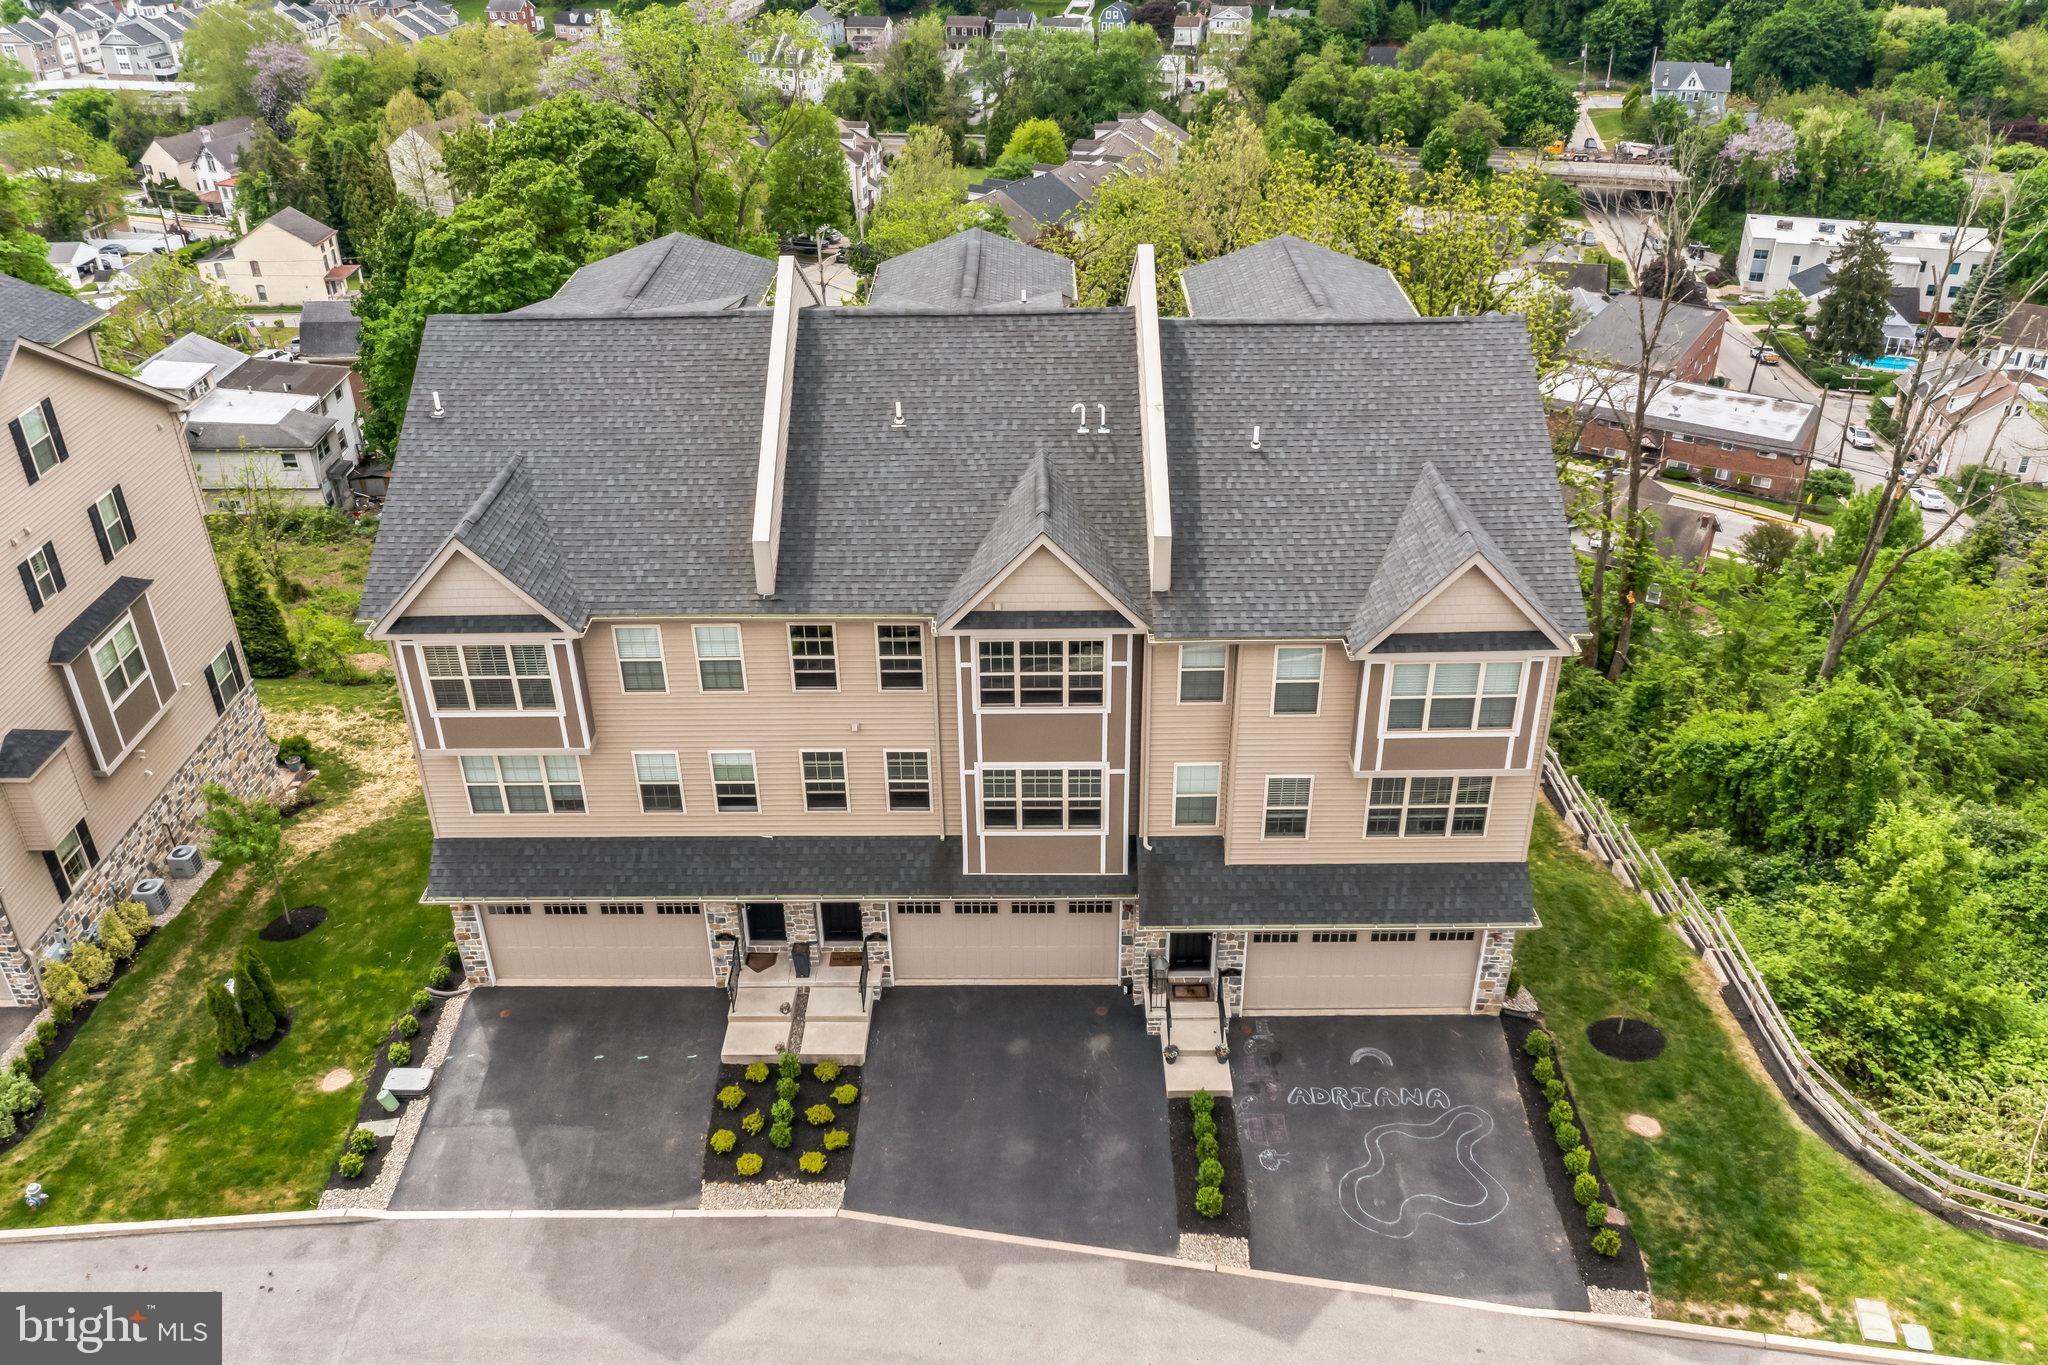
{"x":142,"y":1122}
{"x":1747,"y":1218}
{"x":1607,"y":123}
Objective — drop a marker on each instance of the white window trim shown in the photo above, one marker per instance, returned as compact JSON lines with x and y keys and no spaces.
{"x":47,"y":576}
{"x":1509,"y":731}
{"x":49,"y":434}
{"x":546,"y":783}
{"x":924,"y":661}
{"x":711,"y":766}
{"x":1181,"y":672}
{"x":789,"y":648}
{"x":1110,"y":663}
{"x":930,"y":782}
{"x":1266,"y":806}
{"x":804,"y":781}
{"x":682,"y":788}
{"x":1451,"y":807}
{"x":697,"y":660}
{"x":106,"y":527}
{"x":1273,"y":694}
{"x":1066,"y":828}
{"x":148,"y":672}
{"x":1174,"y":797}
{"x":660,"y":656}
{"x":460,"y":642}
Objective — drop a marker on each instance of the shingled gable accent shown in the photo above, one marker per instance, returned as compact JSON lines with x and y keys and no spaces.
{"x":1040,"y":514}
{"x":505,"y":533}
{"x":1435,"y":542}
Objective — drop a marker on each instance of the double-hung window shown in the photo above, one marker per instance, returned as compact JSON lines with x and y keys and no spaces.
{"x":490,"y":677}
{"x":910,"y":779}
{"x":1287,"y":807}
{"x":119,"y":662}
{"x":1195,"y":787}
{"x":1041,"y":672}
{"x":1297,"y":680}
{"x":824,"y":779}
{"x":36,"y":440}
{"x":523,"y":784}
{"x":1454,"y":696}
{"x":901,"y":653}
{"x":224,"y":678}
{"x":1422,"y":806}
{"x":73,"y":857}
{"x":733,"y":784}
{"x":719,"y":666}
{"x":661,"y":782}
{"x":1201,"y":672}
{"x":111,"y":525}
{"x":813,"y":658}
{"x":641,"y":667}
{"x":1042,"y":798}
{"x":41,"y":576}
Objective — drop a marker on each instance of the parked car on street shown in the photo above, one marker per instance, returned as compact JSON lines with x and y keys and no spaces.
{"x":1763,"y":354}
{"x":1930,"y":499}
{"x":1861,"y":438}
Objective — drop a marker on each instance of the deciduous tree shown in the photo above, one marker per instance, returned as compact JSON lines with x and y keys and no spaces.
{"x":70,"y":181}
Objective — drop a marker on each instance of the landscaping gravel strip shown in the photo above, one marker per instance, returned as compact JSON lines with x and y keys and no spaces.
{"x":377,"y":1195}
{"x":773,"y":1194}
{"x":1620,"y":1303}
{"x":1206,"y":1248}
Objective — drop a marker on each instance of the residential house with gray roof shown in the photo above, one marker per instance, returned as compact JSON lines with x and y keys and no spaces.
{"x":911,"y":644}
{"x":974,"y":270}
{"x":1286,"y":277}
{"x":1701,"y":86}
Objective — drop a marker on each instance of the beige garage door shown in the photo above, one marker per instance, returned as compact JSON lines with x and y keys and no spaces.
{"x":1004,"y":941}
{"x":1320,"y":971}
{"x":616,"y":942}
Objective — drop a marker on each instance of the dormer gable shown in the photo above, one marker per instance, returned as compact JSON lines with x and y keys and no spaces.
{"x":1040,"y":555}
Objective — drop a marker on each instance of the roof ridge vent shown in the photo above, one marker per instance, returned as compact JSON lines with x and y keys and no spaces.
{"x":970,"y":267}
{"x":484,"y":499}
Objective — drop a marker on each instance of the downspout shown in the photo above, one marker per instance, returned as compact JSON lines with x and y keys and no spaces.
{"x":1145,"y":743}
{"x":938,"y":740}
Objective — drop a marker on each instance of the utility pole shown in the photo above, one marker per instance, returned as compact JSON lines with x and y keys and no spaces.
{"x":1608,"y":83}
{"x":1932,"y":124}
{"x":1848,"y":411}
{"x":1582,"y":65}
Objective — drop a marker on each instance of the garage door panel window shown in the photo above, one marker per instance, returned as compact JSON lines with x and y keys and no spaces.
{"x":1287,"y":801}
{"x":1418,"y":807}
{"x":976,"y":908}
{"x":909,"y":775}
{"x":1195,"y":789}
{"x":1454,"y":696}
{"x":564,"y":908}
{"x":621,"y":908}
{"x":733,"y":783}
{"x":1091,"y":907}
{"x":1034,"y":908}
{"x":1275,"y":936}
{"x":918,"y":907}
{"x":678,"y":908}
{"x":1452,"y":935}
{"x":641,"y":666}
{"x":1042,"y":799}
{"x":824,"y":780}
{"x":523,"y":784}
{"x":1201,"y":672}
{"x":660,"y":778}
{"x":1297,"y":681}
{"x":1393,"y":936}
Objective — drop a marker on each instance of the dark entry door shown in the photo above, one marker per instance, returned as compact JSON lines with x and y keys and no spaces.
{"x":840,"y":921}
{"x":1187,"y":952}
{"x":766,"y":923}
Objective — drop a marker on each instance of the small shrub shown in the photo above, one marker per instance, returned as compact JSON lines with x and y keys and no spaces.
{"x":1596,"y":1214}
{"x":407,"y":1026}
{"x":1585,"y":1188}
{"x":1205,"y":1149}
{"x":1561,"y":1112}
{"x":837,"y":1140}
{"x":1537,"y":1044}
{"x":19,"y":1094}
{"x":1607,"y":1242}
{"x":7,"y":1124}
{"x":421,"y":1002}
{"x":1567,"y":1135}
{"x":1577,"y":1160}
{"x":1203,"y":1103}
{"x":64,"y":990}
{"x":19,"y":1066}
{"x":1546,"y":1071}
{"x":135,"y":915}
{"x":818,"y":1115}
{"x":781,"y":1136}
{"x":362,"y":1140}
{"x":748,"y":1165}
{"x":115,"y":936}
{"x":757,"y":1072}
{"x":732,"y":1097}
{"x":451,"y":953}
{"x":790,"y":1066}
{"x":93,"y":965}
{"x":1205,"y":1126}
{"x":46,"y":1031}
{"x":1553,"y":1091}
{"x":350,"y":1165}
{"x":785,"y":1089}
{"x":782,"y":1111}
{"x":1209,"y":1173}
{"x":811,"y":1163}
{"x":826,"y":1072}
{"x":843,"y":1095}
{"x":1209,"y":1201}
{"x":33,"y":1053}
{"x":296,"y":746}
{"x":724,"y":1140}
{"x":400,"y":1054}
{"x":438,"y":976}
{"x":753,"y":1123}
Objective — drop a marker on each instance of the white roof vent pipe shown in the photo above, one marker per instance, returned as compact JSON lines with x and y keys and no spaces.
{"x":899,"y":415}
{"x":1255,"y":436}
{"x":439,"y":411}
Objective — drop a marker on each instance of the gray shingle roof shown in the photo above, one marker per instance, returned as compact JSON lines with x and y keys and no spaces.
{"x":1615,"y":335}
{"x":305,"y":227}
{"x":1185,"y":882}
{"x":1671,"y":75}
{"x":676,"y":271}
{"x":329,"y":330}
{"x":1286,"y":277}
{"x":506,"y":528}
{"x":225,"y":140}
{"x":285,"y":376}
{"x":850,"y":866}
{"x":293,"y":431}
{"x":1811,"y":279}
{"x":1041,"y":198}
{"x":29,"y":310}
{"x":24,"y":752}
{"x":1041,"y":504}
{"x":973,"y":269}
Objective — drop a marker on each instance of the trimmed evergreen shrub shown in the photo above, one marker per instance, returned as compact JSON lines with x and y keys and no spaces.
{"x":1203,"y":1103}
{"x":1209,"y":1173}
{"x":266,"y":644}
{"x":757,"y":1072}
{"x":115,"y":937}
{"x":748,"y":1165}
{"x":46,"y":1031}
{"x":818,"y":1115}
{"x":421,"y":1002}
{"x":837,"y":1139}
{"x":811,"y":1163}
{"x":1596,"y":1214}
{"x":724,"y":1140}
{"x":438,"y":976}
{"x":1209,"y":1201}
{"x":790,"y":1065}
{"x":362,"y":1140}
{"x":1577,"y":1160}
{"x":350,"y":1165}
{"x":1567,"y":1135}
{"x":18,"y":1094}
{"x":33,"y":1053}
{"x":1561,"y":1112}
{"x":94,"y":967}
{"x":843,"y":1095}
{"x":1585,"y":1188}
{"x":1553,"y":1090}
{"x":255,"y":1009}
{"x":230,"y":1030}
{"x":63,"y":989}
{"x":826,"y":1072}
{"x":753,"y":1123}
{"x":731,"y":1097}
{"x":253,"y":968}
{"x":135,"y":915}
{"x":407,"y":1026}
{"x":782,"y":1111}
{"x":785,"y":1089}
{"x":1537,"y":1044}
{"x":1205,"y":1149}
{"x":1607,"y":1242}
{"x":781,"y":1136}
{"x":400,"y":1054}
{"x":1546,"y":1071}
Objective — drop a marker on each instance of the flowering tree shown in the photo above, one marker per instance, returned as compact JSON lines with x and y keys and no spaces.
{"x":1764,"y":154}
{"x":283,"y":75}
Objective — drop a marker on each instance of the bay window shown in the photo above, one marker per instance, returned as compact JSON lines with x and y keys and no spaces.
{"x":1454,"y":696}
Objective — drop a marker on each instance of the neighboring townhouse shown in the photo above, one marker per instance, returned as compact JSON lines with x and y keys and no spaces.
{"x":1988,"y":416}
{"x":1008,"y":21}
{"x":513,"y":14}
{"x":1688,"y":337}
{"x":831,"y":28}
{"x":1131,"y":144}
{"x":1156,"y":666}
{"x":330,"y":333}
{"x":1127,"y":138}
{"x":316,"y":27}
{"x":2022,"y":343}
{"x":287,"y":258}
{"x":1230,"y":21}
{"x":78,"y":37}
{"x":868,"y":34}
{"x":1724,"y":437}
{"x":1077,"y":25}
{"x":278,"y":429}
{"x":864,"y":166}
{"x":1701,"y":86}
{"x":1286,"y":277}
{"x":414,"y":157}
{"x":1931,"y":260}
{"x":574,"y":26}
{"x":678,"y":271}
{"x":31,"y":43}
{"x":146,"y":49}
{"x":974,"y":270}
{"x":200,"y":159}
{"x":962,"y":30}
{"x":1190,"y":29}
{"x":123,"y":690}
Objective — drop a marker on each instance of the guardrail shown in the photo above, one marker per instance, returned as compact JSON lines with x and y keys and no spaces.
{"x":2015,"y":1212}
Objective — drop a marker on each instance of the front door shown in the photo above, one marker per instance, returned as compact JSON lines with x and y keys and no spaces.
{"x":1188,"y":953}
{"x":766,"y":924}
{"x":840,"y":921}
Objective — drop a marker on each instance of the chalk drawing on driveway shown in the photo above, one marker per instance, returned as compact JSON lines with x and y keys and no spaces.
{"x":1485,"y":1200}
{"x":1273,"y":1160}
{"x":1382,"y":1058}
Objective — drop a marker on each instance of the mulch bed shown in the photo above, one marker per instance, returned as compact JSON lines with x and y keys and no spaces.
{"x":260,"y":1050}
{"x":1626,"y":1040}
{"x":303,"y":920}
{"x":1623,"y":1271}
{"x":373,"y":1161}
{"x":374,"y":1082}
{"x":1236,"y":1218}
{"x":776,"y":1163}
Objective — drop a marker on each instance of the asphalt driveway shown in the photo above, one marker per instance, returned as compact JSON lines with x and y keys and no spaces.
{"x":1394,"y":1151}
{"x":1035,"y":1110}
{"x":570,"y":1097}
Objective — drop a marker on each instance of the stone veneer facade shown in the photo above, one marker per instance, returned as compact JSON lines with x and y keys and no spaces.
{"x":1138,"y":944}
{"x":237,"y":753}
{"x":1496,"y":960}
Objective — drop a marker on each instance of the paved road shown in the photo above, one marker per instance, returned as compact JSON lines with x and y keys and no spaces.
{"x":727,"y":1289}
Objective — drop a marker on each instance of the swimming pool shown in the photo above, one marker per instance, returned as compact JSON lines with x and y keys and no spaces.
{"x":1896,"y":364}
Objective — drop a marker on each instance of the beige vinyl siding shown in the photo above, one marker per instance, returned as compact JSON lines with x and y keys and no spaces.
{"x":1191,"y":732}
{"x":1473,"y":602}
{"x":464,"y":587}
{"x":114,"y":435}
{"x":1042,"y":583}
{"x":770,"y":719}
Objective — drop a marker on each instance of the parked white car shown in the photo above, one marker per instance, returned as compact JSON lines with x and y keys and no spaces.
{"x":1930,"y":499}
{"x":1861,"y":438}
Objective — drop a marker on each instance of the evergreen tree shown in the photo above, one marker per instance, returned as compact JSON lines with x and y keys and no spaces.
{"x":1851,"y":321}
{"x":255,"y":1009}
{"x":230,"y":1031}
{"x":266,"y":644}
{"x":1402,"y":23}
{"x":256,"y":972}
{"x":1980,"y":304}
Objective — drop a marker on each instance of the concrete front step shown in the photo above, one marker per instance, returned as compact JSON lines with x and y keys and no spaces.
{"x":1197,"y":1068}
{"x":767,"y":1003}
{"x":754,"y":1040}
{"x":834,"y":1003}
{"x":839,"y":1040}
